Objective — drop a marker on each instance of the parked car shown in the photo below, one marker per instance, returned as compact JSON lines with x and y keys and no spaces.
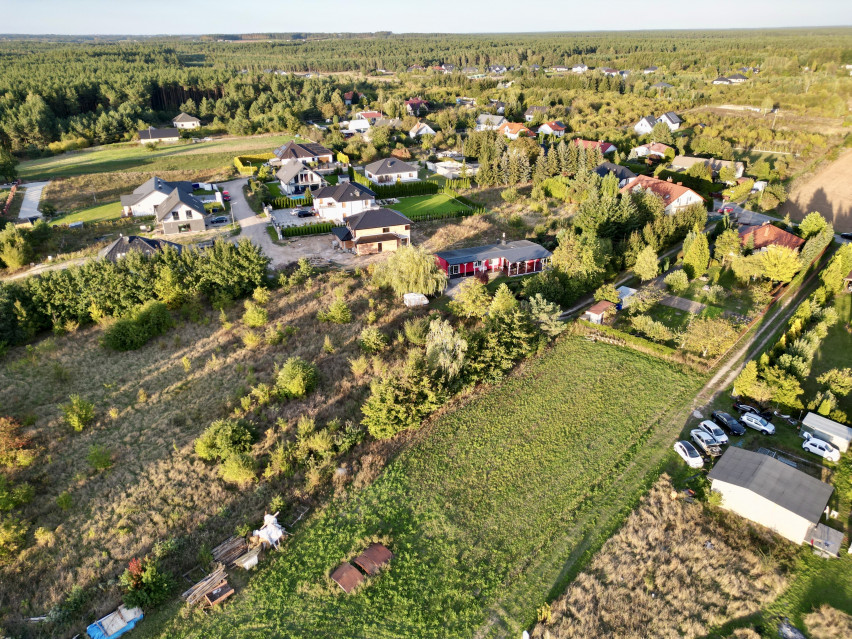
{"x":303,"y":213}
{"x":755,"y":421}
{"x":728,"y":422}
{"x":714,"y":431}
{"x":821,"y":448}
{"x":196,"y":185}
{"x":846,"y":236}
{"x":706,"y":442}
{"x":222,"y":219}
{"x":226,"y":197}
{"x":728,"y":208}
{"x":742,"y":409}
{"x":688,"y":453}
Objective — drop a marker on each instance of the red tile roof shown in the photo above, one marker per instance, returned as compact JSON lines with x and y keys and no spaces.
{"x":769,"y":235}
{"x":556,"y":125}
{"x":367,"y":115}
{"x":656,"y":147}
{"x":605,"y":147}
{"x":668,"y":191}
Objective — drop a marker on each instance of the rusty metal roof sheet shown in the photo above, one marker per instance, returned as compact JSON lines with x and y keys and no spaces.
{"x":372,"y":559}
{"x":347,"y":577}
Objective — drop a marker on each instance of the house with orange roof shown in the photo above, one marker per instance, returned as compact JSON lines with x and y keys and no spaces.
{"x":605,"y":147}
{"x":767,"y":235}
{"x":552,"y":128}
{"x":674,"y":195}
{"x":514,"y":130}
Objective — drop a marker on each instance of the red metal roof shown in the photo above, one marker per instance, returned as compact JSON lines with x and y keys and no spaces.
{"x":605,"y":147}
{"x":372,"y":559}
{"x":347,"y":577}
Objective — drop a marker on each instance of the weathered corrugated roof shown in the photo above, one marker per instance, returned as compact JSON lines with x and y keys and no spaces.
{"x":828,"y":426}
{"x":517,"y":251}
{"x":347,"y":577}
{"x":372,"y":559}
{"x":787,"y":487}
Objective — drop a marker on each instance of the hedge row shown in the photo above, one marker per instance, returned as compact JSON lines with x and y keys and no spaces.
{"x":309,"y":229}
{"x":241,"y":161}
{"x":659,"y":349}
{"x":285,"y":202}
{"x":427,"y":216}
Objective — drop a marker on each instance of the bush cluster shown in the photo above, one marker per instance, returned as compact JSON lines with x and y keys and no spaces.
{"x":145,"y":323}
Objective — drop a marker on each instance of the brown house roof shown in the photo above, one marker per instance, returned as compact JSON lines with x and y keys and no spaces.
{"x":668,"y":191}
{"x":513,"y":128}
{"x":600,"y":308}
{"x":769,"y":235}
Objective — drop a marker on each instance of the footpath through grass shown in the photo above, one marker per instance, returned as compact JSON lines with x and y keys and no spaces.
{"x":471,"y":509}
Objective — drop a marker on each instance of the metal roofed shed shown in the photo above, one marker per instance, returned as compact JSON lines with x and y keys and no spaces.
{"x":828,"y":430}
{"x":372,"y":559}
{"x":769,"y":492}
{"x":347,"y":577}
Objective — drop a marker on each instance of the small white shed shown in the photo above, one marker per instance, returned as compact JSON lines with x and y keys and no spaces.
{"x":828,"y":430}
{"x":625,"y":295}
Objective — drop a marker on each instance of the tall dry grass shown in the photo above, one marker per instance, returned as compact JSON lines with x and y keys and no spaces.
{"x":829,"y":623}
{"x":674,"y":570}
{"x":151,"y":404}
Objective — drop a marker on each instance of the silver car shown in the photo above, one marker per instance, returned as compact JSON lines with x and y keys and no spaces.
{"x":755,"y":421}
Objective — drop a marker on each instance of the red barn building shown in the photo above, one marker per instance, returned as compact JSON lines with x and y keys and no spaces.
{"x":510,"y":258}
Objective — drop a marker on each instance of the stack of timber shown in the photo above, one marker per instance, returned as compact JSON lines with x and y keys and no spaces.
{"x":230,"y":550}
{"x":211,"y":582}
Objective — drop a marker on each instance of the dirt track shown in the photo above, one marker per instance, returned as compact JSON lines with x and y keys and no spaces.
{"x":829,"y":192}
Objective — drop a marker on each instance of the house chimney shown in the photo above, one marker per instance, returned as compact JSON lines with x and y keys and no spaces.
{"x":503,"y":241}
{"x":669,"y":179}
{"x":680,"y":183}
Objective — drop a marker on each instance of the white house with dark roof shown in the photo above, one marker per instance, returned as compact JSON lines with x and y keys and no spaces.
{"x":721,"y":80}
{"x":304,"y":152}
{"x":146,"y":197}
{"x":489,"y":122}
{"x":341,"y":200}
{"x":772,"y":493}
{"x":622,"y":173}
{"x":181,"y":212}
{"x":185,"y":121}
{"x":737,"y":78}
{"x":671,"y":120}
{"x":152,"y":135}
{"x":650,"y":69}
{"x":376,"y":230}
{"x":579,"y":68}
{"x":645,"y":125}
{"x":126,"y":244}
{"x":390,"y":171}
{"x":296,"y":178}
{"x":530,"y":113}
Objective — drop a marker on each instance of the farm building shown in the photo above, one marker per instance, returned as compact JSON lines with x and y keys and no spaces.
{"x":828,"y":430}
{"x":771,"y":493}
{"x":511,"y":258}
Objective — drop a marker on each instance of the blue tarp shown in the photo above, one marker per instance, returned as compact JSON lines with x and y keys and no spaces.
{"x":96,"y":631}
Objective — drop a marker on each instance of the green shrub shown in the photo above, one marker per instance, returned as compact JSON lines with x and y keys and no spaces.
{"x":338,"y":313}
{"x":12,"y":496}
{"x":296,"y":379}
{"x":255,"y":315}
{"x":416,"y":330}
{"x":677,"y":281}
{"x":79,"y":413}
{"x":145,"y":584}
{"x":99,"y":458}
{"x":130,"y":333}
{"x":238,"y":469}
{"x":360,"y":365}
{"x":13,"y":534}
{"x":64,"y":500}
{"x":372,"y":340}
{"x":222,"y":439}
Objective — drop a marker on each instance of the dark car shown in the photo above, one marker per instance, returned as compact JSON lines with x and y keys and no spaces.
{"x":728,"y":422}
{"x":742,"y":408}
{"x":222,"y":219}
{"x":305,"y":213}
{"x":846,"y":236}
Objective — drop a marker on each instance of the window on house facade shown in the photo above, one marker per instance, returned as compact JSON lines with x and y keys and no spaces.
{"x":175,"y":215}
{"x":408,"y":227}
{"x":386,"y":229}
{"x":454,"y":269}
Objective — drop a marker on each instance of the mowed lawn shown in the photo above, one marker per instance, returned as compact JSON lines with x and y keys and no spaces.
{"x":133,"y":156}
{"x":470,"y":511}
{"x":109,"y":211}
{"x":437,"y":203}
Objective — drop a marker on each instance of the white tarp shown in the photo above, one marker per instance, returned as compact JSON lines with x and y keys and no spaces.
{"x":271,"y":532}
{"x":415,"y":299}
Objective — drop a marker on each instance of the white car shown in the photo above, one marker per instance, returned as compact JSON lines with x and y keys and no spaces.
{"x":714,"y":431}
{"x":821,"y":448}
{"x":688,"y":453}
{"x":752,"y":420}
{"x":706,"y":442}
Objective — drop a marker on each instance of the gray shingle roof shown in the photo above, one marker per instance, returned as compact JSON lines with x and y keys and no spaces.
{"x":389,"y":166}
{"x":178,"y":195}
{"x":517,"y":251}
{"x":158,"y":134}
{"x":375,"y":219}
{"x":621,"y":172}
{"x":184,"y":117}
{"x":535,"y":109}
{"x":348,"y":192}
{"x":672,"y":117}
{"x":290,"y":169}
{"x":300,"y":151}
{"x":133,"y":243}
{"x":763,"y":475}
{"x":154,"y":184}
{"x":490,"y":120}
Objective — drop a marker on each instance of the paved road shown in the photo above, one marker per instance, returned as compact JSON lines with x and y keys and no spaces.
{"x":254,"y":227}
{"x":32,"y":196}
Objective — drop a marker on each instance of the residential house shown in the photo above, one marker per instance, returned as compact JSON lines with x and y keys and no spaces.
{"x":181,"y":212}
{"x":488,"y":122}
{"x":597,"y":312}
{"x":448,"y":68}
{"x":685,"y":162}
{"x":654,"y":150}
{"x":721,"y":80}
{"x":454,"y":169}
{"x":645,"y":125}
{"x":340,"y":200}
{"x":414,"y":68}
{"x":465,"y":102}
{"x":350,"y":98}
{"x":304,"y":152}
{"x":624,"y":74}
{"x":552,"y":128}
{"x":498,"y":106}
{"x":737,"y":78}
{"x":497,"y":69}
{"x":146,"y":197}
{"x":771,"y":493}
{"x":369,"y":116}
{"x":393,"y":123}
{"x":530,"y":113}
{"x":604,"y":147}
{"x":609,"y":71}
{"x":674,"y":195}
{"x":358,"y":126}
{"x":621,"y":172}
{"x":671,"y":120}
{"x":514,"y":130}
{"x":296,"y":178}
{"x":184,"y":121}
{"x":510,"y":258}
{"x":135,"y":244}
{"x":420,"y":129}
{"x":827,"y":430}
{"x":579,"y":68}
{"x":651,"y":69}
{"x":765,"y":235}
{"x":415,"y":105}
{"x":153,"y":136}
{"x":390,"y":171}
{"x":662,"y":85}
{"x":374,"y":231}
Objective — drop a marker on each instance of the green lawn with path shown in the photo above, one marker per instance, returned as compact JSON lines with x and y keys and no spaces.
{"x":437,"y":203}
{"x":130,"y":156}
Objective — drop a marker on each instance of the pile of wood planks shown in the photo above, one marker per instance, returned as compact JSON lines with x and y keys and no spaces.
{"x":212,"y":581}
{"x":230,"y":550}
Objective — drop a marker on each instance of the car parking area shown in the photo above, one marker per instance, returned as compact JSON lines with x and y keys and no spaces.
{"x":290,"y":217}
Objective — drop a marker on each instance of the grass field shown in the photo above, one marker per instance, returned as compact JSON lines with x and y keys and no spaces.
{"x":437,"y":203}
{"x":109,"y":211}
{"x":835,"y":351}
{"x":474,"y":511}
{"x":132,"y":156}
